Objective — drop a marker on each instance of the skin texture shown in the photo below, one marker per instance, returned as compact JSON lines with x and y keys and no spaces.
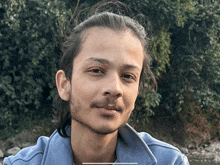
{"x":102,"y":91}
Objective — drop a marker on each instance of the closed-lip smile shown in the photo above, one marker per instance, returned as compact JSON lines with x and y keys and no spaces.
{"x":109,"y":107}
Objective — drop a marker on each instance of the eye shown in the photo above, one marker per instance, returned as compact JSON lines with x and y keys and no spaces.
{"x":96,"y":71}
{"x":129,"y":77}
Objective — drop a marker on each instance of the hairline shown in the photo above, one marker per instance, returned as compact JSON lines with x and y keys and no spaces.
{"x":84,"y":34}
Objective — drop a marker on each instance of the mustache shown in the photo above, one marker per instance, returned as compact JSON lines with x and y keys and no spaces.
{"x":106,"y":103}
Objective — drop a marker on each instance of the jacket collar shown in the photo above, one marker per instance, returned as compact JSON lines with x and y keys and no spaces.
{"x":58,"y":150}
{"x":130,"y":149}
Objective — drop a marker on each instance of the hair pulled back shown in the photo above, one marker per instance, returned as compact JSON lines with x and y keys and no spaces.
{"x":71,"y":47}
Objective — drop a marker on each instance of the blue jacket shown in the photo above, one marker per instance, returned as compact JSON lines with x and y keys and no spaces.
{"x":132,"y":147}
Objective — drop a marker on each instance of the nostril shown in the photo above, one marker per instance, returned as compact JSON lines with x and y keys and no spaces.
{"x":119,"y":95}
{"x":111,"y":94}
{"x":107,"y":93}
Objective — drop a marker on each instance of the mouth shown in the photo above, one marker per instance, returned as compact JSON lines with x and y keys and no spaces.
{"x":110,"y":107}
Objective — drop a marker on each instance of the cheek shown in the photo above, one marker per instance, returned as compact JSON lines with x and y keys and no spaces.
{"x":82,"y":90}
{"x":131,"y":98}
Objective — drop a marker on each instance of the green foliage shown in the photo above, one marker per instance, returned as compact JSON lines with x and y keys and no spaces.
{"x":144,"y":105}
{"x":157,"y":17}
{"x":184,"y":50}
{"x":185,"y":53}
{"x":29,"y":55}
{"x":190,"y":88}
{"x":193,"y":75}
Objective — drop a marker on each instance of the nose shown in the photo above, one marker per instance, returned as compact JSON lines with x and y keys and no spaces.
{"x":113,"y":87}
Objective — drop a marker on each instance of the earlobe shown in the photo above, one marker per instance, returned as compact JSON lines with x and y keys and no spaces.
{"x":63,"y":85}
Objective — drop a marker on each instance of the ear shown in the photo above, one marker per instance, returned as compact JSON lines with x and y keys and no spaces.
{"x":63,"y":85}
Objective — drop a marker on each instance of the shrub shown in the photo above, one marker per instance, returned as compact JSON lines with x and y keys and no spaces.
{"x":29,"y":56}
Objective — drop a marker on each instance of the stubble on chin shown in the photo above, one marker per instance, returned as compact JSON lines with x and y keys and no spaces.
{"x":76,"y":108}
{"x":100,"y":131}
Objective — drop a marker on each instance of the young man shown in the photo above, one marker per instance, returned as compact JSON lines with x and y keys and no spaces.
{"x":101,"y":70}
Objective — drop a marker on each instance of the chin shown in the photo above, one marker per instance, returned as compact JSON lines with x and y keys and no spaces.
{"x":106,"y":129}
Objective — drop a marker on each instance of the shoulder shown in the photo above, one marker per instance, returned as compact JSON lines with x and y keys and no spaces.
{"x":164,"y":151}
{"x":155,"y":143}
{"x":30,"y":155}
{"x":55,"y":150}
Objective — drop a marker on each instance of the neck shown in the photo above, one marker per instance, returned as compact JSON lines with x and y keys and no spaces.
{"x":89,"y":146}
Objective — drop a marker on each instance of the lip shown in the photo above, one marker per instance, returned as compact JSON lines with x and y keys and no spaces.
{"x":108,"y":111}
{"x":109,"y":108}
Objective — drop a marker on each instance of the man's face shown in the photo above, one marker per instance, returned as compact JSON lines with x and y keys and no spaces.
{"x":105,"y":79}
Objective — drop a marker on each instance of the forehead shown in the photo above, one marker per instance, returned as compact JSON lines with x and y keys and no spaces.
{"x":112,"y":45}
{"x":104,"y":33}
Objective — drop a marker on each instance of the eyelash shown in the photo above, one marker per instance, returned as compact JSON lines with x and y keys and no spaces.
{"x":131,"y":76}
{"x":97,"y":71}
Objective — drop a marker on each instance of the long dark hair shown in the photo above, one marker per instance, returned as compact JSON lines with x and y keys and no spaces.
{"x":71,"y":46}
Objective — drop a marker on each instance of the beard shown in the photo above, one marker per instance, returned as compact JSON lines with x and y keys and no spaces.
{"x":97,"y":131}
{"x":76,"y":107}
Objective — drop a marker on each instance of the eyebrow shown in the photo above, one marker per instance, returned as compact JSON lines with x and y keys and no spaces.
{"x":104,"y":61}
{"x":101,"y":60}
